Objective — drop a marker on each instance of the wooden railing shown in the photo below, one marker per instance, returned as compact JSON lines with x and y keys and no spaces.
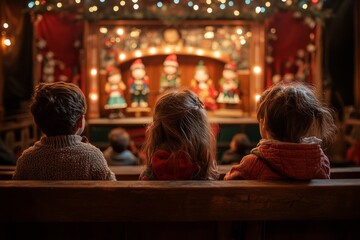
{"x":133,"y":172}
{"x":317,"y":209}
{"x":20,"y":133}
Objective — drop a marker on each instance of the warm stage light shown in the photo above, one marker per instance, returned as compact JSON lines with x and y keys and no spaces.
{"x":257,"y":70}
{"x":93,"y":71}
{"x":93,"y":96}
{"x":7,"y":42}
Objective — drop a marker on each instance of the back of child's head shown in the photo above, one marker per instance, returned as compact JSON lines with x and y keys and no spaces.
{"x":241,"y":143}
{"x":119,"y":139}
{"x":180,"y":125}
{"x":57,"y":107}
{"x":293,"y":112}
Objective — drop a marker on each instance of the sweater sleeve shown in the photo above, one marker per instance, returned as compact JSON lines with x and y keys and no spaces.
{"x":17,"y":172}
{"x":101,"y":170}
{"x":239,"y":171}
{"x":235,"y":173}
{"x":20,"y":170}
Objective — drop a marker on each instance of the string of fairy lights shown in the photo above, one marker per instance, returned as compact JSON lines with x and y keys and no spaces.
{"x":6,"y":41}
{"x":172,"y":11}
{"x":177,"y":10}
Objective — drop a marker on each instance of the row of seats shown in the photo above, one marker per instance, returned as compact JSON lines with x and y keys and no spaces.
{"x":133,"y":172}
{"x":251,"y":209}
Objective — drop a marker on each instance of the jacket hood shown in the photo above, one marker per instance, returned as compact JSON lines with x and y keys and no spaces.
{"x":296,"y":161}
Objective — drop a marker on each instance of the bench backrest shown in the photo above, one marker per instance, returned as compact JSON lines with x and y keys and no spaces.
{"x":83,"y":201}
{"x":133,"y":172}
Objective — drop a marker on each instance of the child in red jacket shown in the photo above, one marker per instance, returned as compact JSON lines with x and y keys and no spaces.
{"x":293,"y":126}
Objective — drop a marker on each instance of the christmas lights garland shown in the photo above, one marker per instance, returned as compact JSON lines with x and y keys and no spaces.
{"x":175,"y":11}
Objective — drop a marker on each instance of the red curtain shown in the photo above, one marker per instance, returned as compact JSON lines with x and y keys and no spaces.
{"x":291,"y":35}
{"x":58,"y":42}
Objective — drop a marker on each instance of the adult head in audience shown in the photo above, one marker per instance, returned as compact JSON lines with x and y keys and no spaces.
{"x":294,"y":126}
{"x":179,"y":142}
{"x":59,"y":111}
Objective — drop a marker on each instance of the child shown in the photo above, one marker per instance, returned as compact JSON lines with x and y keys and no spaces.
{"x":293,"y":123}
{"x":58,"y":110}
{"x":119,"y":154}
{"x":179,"y":142}
{"x":239,"y":147}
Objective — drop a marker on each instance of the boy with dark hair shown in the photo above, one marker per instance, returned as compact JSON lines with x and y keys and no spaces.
{"x":58,"y":110}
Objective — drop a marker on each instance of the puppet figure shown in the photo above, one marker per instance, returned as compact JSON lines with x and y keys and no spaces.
{"x":139,"y":84}
{"x":302,"y":71}
{"x":203,"y":86}
{"x":49,"y":68}
{"x":171,"y":77}
{"x":229,"y":85}
{"x":115,"y":89}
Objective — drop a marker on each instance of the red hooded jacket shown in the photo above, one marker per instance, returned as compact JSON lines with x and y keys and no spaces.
{"x":281,"y":160}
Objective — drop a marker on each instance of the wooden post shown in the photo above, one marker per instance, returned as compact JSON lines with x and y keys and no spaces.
{"x":257,"y":78}
{"x":36,"y":64}
{"x":1,"y":85}
{"x":357,"y":55}
{"x":317,"y":74}
{"x":1,"y":70}
{"x":92,"y":71}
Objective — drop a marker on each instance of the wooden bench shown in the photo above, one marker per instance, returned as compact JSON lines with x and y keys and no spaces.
{"x":317,"y":209}
{"x":19,"y":132}
{"x":133,"y":172}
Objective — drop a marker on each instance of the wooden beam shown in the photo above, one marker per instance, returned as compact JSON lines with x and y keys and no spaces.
{"x":1,"y":72}
{"x":357,"y":55}
{"x":1,"y":86}
{"x":317,"y":74}
{"x":125,"y":173}
{"x":179,"y":201}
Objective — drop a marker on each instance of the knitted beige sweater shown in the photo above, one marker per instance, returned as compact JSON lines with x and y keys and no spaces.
{"x":62,"y":158}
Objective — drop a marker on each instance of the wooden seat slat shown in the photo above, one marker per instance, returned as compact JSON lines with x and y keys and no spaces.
{"x":133,"y":172}
{"x":83,"y":201}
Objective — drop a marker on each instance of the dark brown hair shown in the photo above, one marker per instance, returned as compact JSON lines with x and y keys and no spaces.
{"x":180,"y":125}
{"x":57,"y":107}
{"x":293,"y":112}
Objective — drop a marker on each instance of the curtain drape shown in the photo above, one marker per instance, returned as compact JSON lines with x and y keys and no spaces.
{"x":16,"y":70}
{"x":58,"y":42}
{"x":290,"y":44}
